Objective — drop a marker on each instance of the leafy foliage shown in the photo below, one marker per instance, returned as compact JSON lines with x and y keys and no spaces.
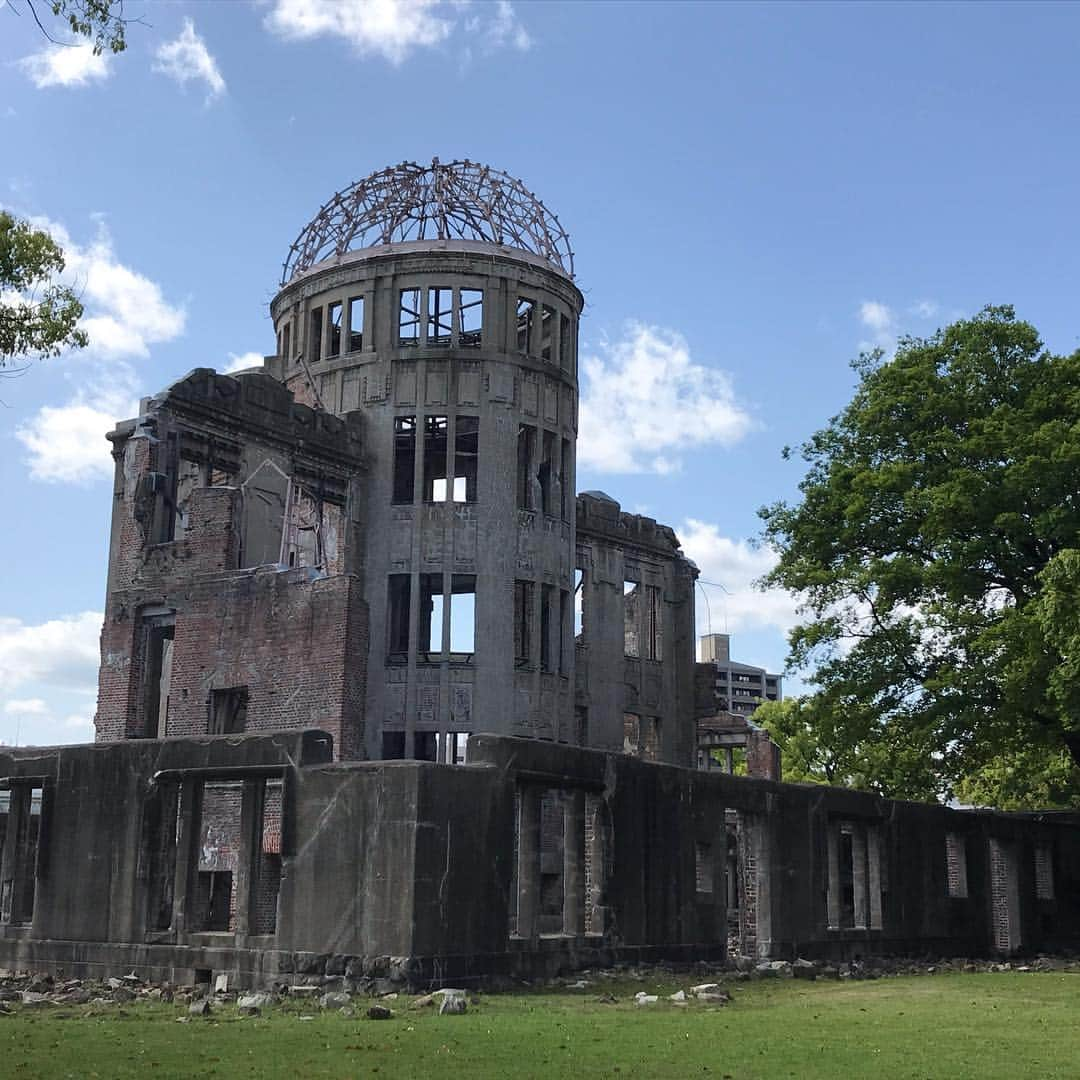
{"x":937,"y":549}
{"x":102,"y":22}
{"x":37,"y":319}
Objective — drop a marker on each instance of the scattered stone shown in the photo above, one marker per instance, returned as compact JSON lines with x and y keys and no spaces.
{"x":704,"y":988}
{"x":453,"y":1005}
{"x":305,"y":1018}
{"x":679,"y":996}
{"x":804,"y":969}
{"x":221,"y":984}
{"x":775,"y":969}
{"x":132,"y":978}
{"x":710,"y":997}
{"x":348,"y":1012}
{"x":334,"y":1000}
{"x":424,"y":1001}
{"x":253,"y":1004}
{"x":33,"y":1000}
{"x":303,"y":991}
{"x":641,"y":998}
{"x":581,"y":984}
{"x":381,"y":1012}
{"x":200,"y":1007}
{"x":113,"y":984}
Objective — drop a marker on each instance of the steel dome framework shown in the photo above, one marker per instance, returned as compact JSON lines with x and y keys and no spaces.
{"x":458,"y":201}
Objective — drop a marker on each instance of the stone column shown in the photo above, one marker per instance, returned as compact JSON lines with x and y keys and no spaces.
{"x":528,"y":870}
{"x":859,"y":875}
{"x":574,"y":862}
{"x":873,"y":853}
{"x":12,"y":885}
{"x":832,"y":831}
{"x":187,"y":854}
{"x":247,"y":861}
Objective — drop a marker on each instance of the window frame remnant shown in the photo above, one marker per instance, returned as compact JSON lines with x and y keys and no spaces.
{"x":356,"y":323}
{"x":545,"y":472}
{"x":404,"y":474}
{"x":546,"y":609}
{"x":159,"y":635}
{"x":548,"y":322}
{"x":315,"y":334}
{"x":429,"y":630}
{"x":436,"y":446}
{"x":466,"y":458}
{"x":566,"y":488}
{"x":440,"y":316}
{"x":564,"y":343}
{"x":632,"y":598}
{"x":334,"y":312}
{"x":470,"y":318}
{"x":410,"y":319}
{"x":525,"y":317}
{"x":462,"y":645}
{"x":956,"y":878}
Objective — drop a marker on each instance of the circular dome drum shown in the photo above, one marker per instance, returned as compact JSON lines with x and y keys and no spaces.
{"x":458,"y":201}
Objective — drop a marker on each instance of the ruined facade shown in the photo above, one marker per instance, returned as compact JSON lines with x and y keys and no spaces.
{"x":382,"y":696}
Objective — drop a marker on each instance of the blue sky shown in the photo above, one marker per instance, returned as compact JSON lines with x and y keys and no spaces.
{"x":754,"y":192}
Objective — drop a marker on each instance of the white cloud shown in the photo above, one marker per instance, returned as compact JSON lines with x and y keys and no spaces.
{"x":732,"y":566}
{"x":394,"y":29}
{"x":186,"y":59}
{"x":26,"y":707}
{"x":924,"y":309}
{"x":66,"y":443}
{"x":645,"y":399}
{"x":242,"y":361}
{"x":62,"y":652}
{"x":65,"y":65}
{"x":125,"y":311}
{"x":880,"y":320}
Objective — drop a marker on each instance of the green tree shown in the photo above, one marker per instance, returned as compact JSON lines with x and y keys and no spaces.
{"x":102,"y":22}
{"x":936,"y":550}
{"x":38,"y":318}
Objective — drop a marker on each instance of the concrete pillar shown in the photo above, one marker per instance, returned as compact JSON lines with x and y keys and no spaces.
{"x":859,"y":876}
{"x":574,"y":862}
{"x":12,"y":864}
{"x":187,"y":854}
{"x":832,"y":832}
{"x":528,"y":869}
{"x":247,"y":862}
{"x":873,"y":852}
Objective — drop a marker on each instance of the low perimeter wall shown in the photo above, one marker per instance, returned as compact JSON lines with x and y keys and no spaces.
{"x":261,"y":857}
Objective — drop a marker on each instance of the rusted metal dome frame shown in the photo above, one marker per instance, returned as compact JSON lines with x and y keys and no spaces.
{"x":458,"y":201}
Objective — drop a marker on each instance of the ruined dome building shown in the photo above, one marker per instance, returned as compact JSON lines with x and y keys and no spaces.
{"x":382,"y":697}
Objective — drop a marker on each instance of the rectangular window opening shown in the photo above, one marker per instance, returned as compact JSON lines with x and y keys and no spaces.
{"x":579,"y":605}
{"x":409,"y":318}
{"x":268,"y":876}
{"x":525,"y":312}
{"x":429,"y":642}
{"x":466,"y":457}
{"x":333,"y":318}
{"x":158,"y":674}
{"x":463,"y":614}
{"x":453,"y":747}
{"x":228,"y":710}
{"x":526,"y":443}
{"x":632,"y":619}
{"x":20,"y":815}
{"x":356,"y":323}
{"x":547,"y":332}
{"x":404,"y":458}
{"x":545,"y":473}
{"x":1044,"y":871}
{"x":547,"y":596}
{"x":435,"y":445}
{"x":220,"y":851}
{"x":523,"y":600}
{"x":286,"y":341}
{"x":315,"y":343}
{"x":427,"y":746}
{"x":654,"y":625}
{"x":564,"y":343}
{"x":397,"y":619}
{"x":471,"y":319}
{"x":440,"y":315}
{"x":393,"y":745}
{"x":564,"y":632}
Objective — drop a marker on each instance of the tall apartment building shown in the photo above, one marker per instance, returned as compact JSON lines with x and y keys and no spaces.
{"x":738,"y":688}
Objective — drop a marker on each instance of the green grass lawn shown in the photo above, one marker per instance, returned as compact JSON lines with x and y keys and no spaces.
{"x":950,"y":1026}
